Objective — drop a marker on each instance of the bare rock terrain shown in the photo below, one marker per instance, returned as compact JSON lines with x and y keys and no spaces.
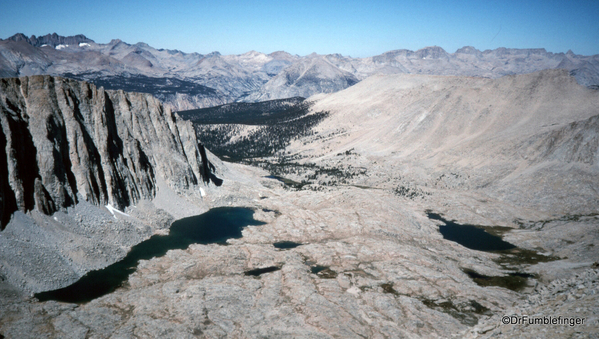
{"x":388,"y":274}
{"x":518,"y":152}
{"x":573,"y":298}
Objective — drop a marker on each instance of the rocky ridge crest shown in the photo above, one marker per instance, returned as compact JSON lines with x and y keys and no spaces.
{"x":52,"y":40}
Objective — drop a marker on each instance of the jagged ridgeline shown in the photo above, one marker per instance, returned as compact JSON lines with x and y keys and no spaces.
{"x":239,"y":131}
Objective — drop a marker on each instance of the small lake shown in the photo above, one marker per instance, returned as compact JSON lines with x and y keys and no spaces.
{"x":471,"y":236}
{"x":479,"y":238}
{"x":215,"y":226}
{"x":285,"y":245}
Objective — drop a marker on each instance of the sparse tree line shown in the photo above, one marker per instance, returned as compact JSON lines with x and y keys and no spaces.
{"x":261,"y":113}
{"x":313,"y":175}
{"x":279,"y":123}
{"x":262,"y":142}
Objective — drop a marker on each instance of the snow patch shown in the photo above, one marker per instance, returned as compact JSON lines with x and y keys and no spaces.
{"x":353,"y":290}
{"x":422,"y":117}
{"x":61,"y":46}
{"x":84,"y":44}
{"x":202,"y":192}
{"x":112,"y":210}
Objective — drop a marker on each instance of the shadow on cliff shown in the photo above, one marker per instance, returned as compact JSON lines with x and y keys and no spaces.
{"x":207,"y":170}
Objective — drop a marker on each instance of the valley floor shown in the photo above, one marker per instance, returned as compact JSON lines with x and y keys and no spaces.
{"x":383,"y":270}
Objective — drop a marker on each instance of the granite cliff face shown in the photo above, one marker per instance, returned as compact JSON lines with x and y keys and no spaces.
{"x":63,"y":140}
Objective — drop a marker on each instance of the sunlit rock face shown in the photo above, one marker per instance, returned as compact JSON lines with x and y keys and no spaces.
{"x":63,"y":140}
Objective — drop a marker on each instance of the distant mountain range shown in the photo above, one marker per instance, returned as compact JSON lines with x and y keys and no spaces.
{"x":192,"y":80}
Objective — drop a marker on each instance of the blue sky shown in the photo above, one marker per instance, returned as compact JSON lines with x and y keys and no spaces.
{"x":354,"y":28}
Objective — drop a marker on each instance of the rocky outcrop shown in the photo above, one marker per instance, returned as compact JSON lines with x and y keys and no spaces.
{"x":63,"y":140}
{"x":571,"y":302}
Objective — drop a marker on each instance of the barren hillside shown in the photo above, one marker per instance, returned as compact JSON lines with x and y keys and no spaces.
{"x":526,"y":139}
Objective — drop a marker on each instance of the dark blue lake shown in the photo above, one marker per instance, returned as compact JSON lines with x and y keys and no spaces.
{"x":471,"y":236}
{"x":285,"y":245}
{"x":215,"y":226}
{"x":480,"y":238}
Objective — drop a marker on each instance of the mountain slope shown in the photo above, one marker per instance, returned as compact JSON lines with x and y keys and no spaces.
{"x":304,"y":78}
{"x":529,"y":140}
